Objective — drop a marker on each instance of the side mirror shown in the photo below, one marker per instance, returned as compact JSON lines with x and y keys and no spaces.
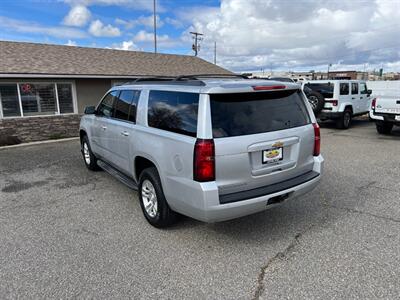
{"x":369,"y":92}
{"x":90,"y":110}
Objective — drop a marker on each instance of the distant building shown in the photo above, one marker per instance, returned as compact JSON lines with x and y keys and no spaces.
{"x":354,"y":75}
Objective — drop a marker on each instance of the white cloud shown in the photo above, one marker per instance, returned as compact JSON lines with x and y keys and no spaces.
{"x":254,"y":34}
{"x":125,"y":45}
{"x":128,"y":24}
{"x":141,"y":21}
{"x":149,"y":21}
{"x":97,"y":28}
{"x":71,"y":43}
{"x":163,"y":41}
{"x":78,"y":16}
{"x":34,"y":28}
{"x":145,"y":5}
{"x":174,"y":22}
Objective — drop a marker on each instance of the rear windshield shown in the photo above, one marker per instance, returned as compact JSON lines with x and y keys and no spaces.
{"x":326,"y":89}
{"x":257,"y":112}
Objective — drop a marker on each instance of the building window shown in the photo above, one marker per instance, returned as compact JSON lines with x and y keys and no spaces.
{"x":9,"y":101}
{"x":65,"y":98}
{"x":35,"y":99}
{"x":38,"y":99}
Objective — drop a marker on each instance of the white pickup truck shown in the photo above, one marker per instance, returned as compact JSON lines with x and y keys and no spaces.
{"x":385,"y":111}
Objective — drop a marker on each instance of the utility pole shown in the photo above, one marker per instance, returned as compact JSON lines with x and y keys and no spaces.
{"x":197,"y":37}
{"x":155,"y":26}
{"x":327,"y":74}
{"x":215,"y":53}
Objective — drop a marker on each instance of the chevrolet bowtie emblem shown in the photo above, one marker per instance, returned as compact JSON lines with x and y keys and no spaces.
{"x":277,"y":145}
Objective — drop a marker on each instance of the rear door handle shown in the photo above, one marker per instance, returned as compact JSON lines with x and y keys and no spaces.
{"x":104,"y":127}
{"x":125,"y":133}
{"x":353,"y":98}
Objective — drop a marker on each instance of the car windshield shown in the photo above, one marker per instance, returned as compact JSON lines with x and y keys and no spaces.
{"x":257,"y":112}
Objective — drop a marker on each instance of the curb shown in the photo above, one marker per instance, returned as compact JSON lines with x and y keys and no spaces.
{"x":38,"y":143}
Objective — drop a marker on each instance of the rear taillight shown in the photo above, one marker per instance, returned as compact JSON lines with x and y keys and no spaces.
{"x":373,"y":103}
{"x":334,"y":102}
{"x":317,"y":139}
{"x":204,"y":160}
{"x":268,"y":87}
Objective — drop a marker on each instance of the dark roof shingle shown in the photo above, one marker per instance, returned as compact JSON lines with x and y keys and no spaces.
{"x":32,"y":58}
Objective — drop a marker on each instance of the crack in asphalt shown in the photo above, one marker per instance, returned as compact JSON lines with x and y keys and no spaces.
{"x":356,"y":211}
{"x":278,"y":256}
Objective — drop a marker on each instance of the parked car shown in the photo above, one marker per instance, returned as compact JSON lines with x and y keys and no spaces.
{"x":385,"y":111}
{"x":344,"y":99}
{"x":211,"y":148}
{"x":316,"y":100}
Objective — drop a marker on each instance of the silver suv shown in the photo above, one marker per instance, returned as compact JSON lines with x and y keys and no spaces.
{"x":209,"y":147}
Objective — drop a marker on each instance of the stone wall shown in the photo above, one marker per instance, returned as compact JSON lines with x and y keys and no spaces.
{"x":29,"y":129}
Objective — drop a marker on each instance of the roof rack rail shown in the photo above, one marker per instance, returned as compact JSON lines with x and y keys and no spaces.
{"x":197,"y":76}
{"x":154,"y":78}
{"x":182,"y":79}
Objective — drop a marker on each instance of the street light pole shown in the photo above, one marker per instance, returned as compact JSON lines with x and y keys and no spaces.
{"x":155,"y":26}
{"x":327,"y":74}
{"x":215,"y":53}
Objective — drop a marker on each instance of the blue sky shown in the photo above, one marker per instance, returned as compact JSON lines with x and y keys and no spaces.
{"x":51,"y":15}
{"x":250,"y":34}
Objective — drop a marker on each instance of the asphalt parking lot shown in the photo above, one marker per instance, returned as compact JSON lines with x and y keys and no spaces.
{"x":68,"y":233}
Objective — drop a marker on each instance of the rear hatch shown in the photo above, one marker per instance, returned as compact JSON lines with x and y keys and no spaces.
{"x":261,"y":138}
{"x":388,"y":105}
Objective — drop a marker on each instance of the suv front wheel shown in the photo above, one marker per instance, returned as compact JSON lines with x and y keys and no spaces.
{"x":152,"y":200}
{"x":88,"y":157}
{"x":345,"y":120}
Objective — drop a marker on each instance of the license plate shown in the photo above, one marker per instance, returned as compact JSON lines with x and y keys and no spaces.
{"x":272,"y":155}
{"x":397,"y":118}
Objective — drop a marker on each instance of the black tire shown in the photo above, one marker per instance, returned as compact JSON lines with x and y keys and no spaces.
{"x":89,"y":158}
{"x":344,"y":121}
{"x":164,"y":215}
{"x":316,"y":100}
{"x":384,"y":127}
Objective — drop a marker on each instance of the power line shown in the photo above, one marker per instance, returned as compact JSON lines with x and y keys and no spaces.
{"x":196,"y":46}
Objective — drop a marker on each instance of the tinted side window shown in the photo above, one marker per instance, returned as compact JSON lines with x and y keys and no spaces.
{"x":354,"y":88}
{"x":106,"y":106}
{"x":344,"y":89}
{"x":133,"y":108}
{"x":363,"y":89}
{"x":173,"y":111}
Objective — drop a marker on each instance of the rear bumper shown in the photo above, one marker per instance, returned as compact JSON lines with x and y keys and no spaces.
{"x":329,"y":115}
{"x":201,"y":201}
{"x":384,"y":117}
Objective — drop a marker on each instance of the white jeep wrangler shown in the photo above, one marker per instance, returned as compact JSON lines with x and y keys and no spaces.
{"x":344,"y":99}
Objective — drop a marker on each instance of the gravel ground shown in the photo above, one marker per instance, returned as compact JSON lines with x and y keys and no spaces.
{"x":66,"y":232}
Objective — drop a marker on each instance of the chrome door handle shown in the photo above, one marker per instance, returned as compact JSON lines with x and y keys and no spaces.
{"x":104,"y":127}
{"x":125,"y":133}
